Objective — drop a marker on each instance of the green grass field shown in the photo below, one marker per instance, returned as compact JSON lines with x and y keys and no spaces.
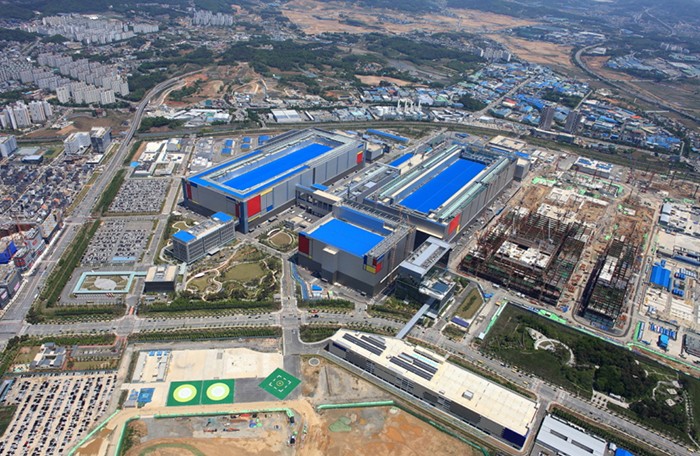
{"x":244,"y":272}
{"x":280,"y":384}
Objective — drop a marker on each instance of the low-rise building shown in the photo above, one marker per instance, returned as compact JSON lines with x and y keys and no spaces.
{"x":51,"y":356}
{"x":160,"y":279}
{"x":430,"y":378}
{"x":204,"y":239}
{"x":566,"y":439}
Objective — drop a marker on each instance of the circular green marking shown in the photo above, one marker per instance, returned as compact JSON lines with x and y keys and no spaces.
{"x":184,"y":393}
{"x":218,"y":391}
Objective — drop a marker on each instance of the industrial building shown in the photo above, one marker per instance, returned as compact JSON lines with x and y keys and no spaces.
{"x":565,"y":439}
{"x":489,"y":407}
{"x":418,"y":276}
{"x":160,"y":279}
{"x":529,"y":252}
{"x":204,"y":239}
{"x":262,"y":183}
{"x":356,"y":247}
{"x":10,"y":281}
{"x":445,"y":191}
{"x":603,"y":298}
{"x":593,"y":167}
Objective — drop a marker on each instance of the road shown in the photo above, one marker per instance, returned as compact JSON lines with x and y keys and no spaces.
{"x":12,"y":322}
{"x":623,"y":88}
{"x":289,"y":318}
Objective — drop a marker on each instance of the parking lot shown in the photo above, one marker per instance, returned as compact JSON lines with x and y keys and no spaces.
{"x":54,"y":411}
{"x":119,"y":241}
{"x":140,"y":196}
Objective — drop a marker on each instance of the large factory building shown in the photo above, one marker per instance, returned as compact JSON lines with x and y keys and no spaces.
{"x":489,"y":407}
{"x":257,"y":185}
{"x":445,"y":189}
{"x":356,"y":247}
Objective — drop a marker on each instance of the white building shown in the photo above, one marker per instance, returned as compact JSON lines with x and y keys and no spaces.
{"x":77,"y":143}
{"x":8,"y":144}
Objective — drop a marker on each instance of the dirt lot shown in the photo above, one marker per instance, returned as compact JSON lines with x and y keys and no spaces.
{"x":375,"y":80}
{"x":385,"y":431}
{"x":332,"y":17}
{"x":540,"y":52}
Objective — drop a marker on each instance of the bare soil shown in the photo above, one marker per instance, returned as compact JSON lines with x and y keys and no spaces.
{"x":316,"y":17}
{"x":541,"y":52}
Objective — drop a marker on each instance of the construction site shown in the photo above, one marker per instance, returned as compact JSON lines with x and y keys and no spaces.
{"x":568,"y":239}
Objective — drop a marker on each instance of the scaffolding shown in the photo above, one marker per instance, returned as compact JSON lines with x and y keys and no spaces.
{"x":603,"y":298}
{"x":560,"y":243}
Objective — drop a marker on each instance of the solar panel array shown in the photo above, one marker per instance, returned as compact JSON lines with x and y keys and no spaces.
{"x":411,"y":368}
{"x":362,"y":343}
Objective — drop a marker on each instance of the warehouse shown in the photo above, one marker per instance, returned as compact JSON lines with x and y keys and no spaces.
{"x":262,"y":183}
{"x":489,"y":407}
{"x":355,"y":247}
{"x":445,"y":191}
{"x":204,"y":239}
{"x":568,"y":440}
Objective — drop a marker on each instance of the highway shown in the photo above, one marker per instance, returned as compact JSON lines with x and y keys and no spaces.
{"x":12,"y":321}
{"x":289,"y":318}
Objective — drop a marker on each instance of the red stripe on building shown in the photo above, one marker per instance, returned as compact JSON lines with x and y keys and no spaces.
{"x":360,"y":157}
{"x":254,"y":206}
{"x":304,"y":245}
{"x":454,"y":224}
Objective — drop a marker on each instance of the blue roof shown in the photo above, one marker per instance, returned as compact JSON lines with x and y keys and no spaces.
{"x":622,"y":452}
{"x":229,"y":142}
{"x":245,"y":147}
{"x":344,"y":236}
{"x":660,"y":276}
{"x":246,"y":139}
{"x":226,"y":151}
{"x":321,"y":187}
{"x":222,"y":217}
{"x":184,"y":236}
{"x":258,"y":175}
{"x":387,"y":135}
{"x":401,"y":160}
{"x":441,"y":187}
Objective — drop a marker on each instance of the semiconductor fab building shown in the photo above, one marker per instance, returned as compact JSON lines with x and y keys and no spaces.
{"x":487,"y":406}
{"x":356,"y":247}
{"x":260,"y":184}
{"x":445,"y":191}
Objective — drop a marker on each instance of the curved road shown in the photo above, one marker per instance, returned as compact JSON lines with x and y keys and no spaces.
{"x":12,"y":322}
{"x":579,"y":62}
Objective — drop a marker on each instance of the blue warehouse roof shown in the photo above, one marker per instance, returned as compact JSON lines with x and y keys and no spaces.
{"x":660,"y":276}
{"x":347,"y":237}
{"x":442,"y":187}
